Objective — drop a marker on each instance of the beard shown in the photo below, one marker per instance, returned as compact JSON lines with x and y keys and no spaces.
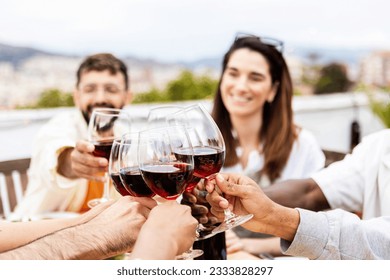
{"x":88,"y":112}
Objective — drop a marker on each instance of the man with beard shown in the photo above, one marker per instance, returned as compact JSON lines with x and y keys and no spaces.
{"x":63,"y":174}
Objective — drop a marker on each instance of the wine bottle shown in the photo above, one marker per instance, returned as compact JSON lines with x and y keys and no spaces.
{"x":214,"y":248}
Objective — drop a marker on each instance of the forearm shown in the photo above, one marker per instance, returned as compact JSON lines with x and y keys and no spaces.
{"x":79,"y":242}
{"x":15,"y":234}
{"x":256,"y":246}
{"x":304,"y":193}
{"x":280,"y":221}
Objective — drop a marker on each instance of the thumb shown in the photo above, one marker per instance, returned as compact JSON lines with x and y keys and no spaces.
{"x":84,"y":146}
{"x":228,"y":187}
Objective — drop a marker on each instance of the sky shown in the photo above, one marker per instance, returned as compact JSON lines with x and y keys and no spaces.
{"x":186,"y":30}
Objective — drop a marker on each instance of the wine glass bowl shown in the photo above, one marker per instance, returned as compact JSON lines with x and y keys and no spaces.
{"x":157,"y":115}
{"x":104,"y":126}
{"x":164,"y":172}
{"x":113,"y":168}
{"x":129,"y":171}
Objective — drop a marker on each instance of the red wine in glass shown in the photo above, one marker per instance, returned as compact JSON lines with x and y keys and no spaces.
{"x":134,"y":183}
{"x":102,"y":148}
{"x":167,"y":180}
{"x":120,"y":188}
{"x":192,"y":183}
{"x":207,"y":160}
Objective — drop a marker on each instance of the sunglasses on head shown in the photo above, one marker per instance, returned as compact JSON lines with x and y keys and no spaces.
{"x":271,"y":42}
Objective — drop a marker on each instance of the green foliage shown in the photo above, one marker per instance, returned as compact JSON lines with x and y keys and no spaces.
{"x":154,"y":95}
{"x":382,"y":110}
{"x":186,"y":87}
{"x":333,"y":78}
{"x":53,"y":98}
{"x":297,"y":92}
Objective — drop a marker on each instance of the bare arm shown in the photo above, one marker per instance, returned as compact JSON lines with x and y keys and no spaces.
{"x":255,"y":246}
{"x":13,"y":235}
{"x":70,"y":243}
{"x":109,"y":233}
{"x":303,"y":193}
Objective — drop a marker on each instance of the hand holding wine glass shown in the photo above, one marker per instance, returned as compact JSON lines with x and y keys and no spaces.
{"x":106,"y":124}
{"x":164,"y":170}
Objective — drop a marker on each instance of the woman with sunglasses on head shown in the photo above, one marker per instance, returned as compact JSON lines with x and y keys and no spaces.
{"x":253,"y":109}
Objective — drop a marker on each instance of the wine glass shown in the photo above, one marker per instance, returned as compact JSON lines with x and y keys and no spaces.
{"x":113,"y":168}
{"x":129,"y":172}
{"x":209,"y":152}
{"x":157,"y":115}
{"x":164,"y":171}
{"x":106,"y":124}
{"x":157,"y":118}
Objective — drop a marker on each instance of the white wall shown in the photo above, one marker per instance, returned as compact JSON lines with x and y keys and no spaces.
{"x":328,"y":116}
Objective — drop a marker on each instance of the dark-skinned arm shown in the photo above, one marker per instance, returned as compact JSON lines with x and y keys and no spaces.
{"x":302,"y":193}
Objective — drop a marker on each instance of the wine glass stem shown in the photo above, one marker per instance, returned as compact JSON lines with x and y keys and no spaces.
{"x":228,"y":214}
{"x":106,"y":187}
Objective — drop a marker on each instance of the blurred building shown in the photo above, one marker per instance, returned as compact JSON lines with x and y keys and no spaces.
{"x":375,"y":69}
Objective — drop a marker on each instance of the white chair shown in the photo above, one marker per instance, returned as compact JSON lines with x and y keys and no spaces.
{"x":13,"y":182}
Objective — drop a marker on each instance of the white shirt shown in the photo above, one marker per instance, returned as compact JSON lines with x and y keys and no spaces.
{"x":360,"y":182}
{"x":328,"y":235}
{"x":47,"y":190}
{"x":306,"y":157}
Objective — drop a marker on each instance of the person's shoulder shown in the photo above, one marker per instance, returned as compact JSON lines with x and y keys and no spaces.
{"x":59,"y":120}
{"x":380,"y":135}
{"x":63,"y":116}
{"x":305,"y":136}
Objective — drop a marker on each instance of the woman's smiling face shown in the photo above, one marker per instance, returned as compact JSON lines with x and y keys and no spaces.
{"x":246,"y":83}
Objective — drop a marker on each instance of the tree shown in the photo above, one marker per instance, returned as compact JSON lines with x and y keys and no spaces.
{"x":189,"y":87}
{"x":382,"y":110}
{"x":51,"y":98}
{"x":333,"y":78}
{"x":54,"y":98}
{"x":186,"y":87}
{"x":154,"y":95}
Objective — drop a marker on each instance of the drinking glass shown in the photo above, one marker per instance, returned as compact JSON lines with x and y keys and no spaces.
{"x":104,"y":126}
{"x":129,"y":171}
{"x":165,"y":171}
{"x":113,"y":168}
{"x":157,"y":115}
{"x":209,"y":152}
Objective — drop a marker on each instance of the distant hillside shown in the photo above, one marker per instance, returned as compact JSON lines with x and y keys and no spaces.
{"x":328,"y":55}
{"x":16,"y":55}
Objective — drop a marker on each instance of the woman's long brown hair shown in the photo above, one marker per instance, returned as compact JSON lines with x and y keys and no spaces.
{"x":278,"y":131}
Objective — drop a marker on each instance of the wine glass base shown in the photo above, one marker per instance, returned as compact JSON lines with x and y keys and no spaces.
{"x":190,"y":254}
{"x":203,"y":232}
{"x":95,"y":202}
{"x":231,"y":223}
